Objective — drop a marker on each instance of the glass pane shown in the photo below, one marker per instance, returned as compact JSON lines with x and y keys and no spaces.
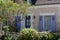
{"x":28,"y":21}
{"x":47,"y":23}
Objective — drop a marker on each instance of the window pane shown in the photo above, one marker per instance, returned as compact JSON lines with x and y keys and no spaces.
{"x":47,"y":22}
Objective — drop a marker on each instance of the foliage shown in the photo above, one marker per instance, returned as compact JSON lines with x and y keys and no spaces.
{"x":46,"y":36}
{"x":28,"y":34}
{"x":8,"y":7}
{"x":5,"y":28}
{"x":7,"y":37}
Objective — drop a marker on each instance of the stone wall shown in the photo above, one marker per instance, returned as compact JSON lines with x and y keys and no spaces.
{"x":36,"y":10}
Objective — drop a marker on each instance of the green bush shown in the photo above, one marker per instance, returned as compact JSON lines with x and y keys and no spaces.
{"x":5,"y":28}
{"x":46,"y":36}
{"x":7,"y":37}
{"x":28,"y":34}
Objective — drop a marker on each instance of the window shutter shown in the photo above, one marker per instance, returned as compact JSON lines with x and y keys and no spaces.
{"x":53,"y":23}
{"x":40,"y":23}
{"x":18,"y":22}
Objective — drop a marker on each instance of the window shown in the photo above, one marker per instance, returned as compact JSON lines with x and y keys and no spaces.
{"x":28,"y":21}
{"x":47,"y":23}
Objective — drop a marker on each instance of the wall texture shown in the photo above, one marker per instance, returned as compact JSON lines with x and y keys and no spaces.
{"x":46,"y":9}
{"x":38,"y":2}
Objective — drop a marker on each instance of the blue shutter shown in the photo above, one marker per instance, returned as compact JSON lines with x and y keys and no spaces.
{"x":40,"y":23}
{"x":53,"y":23}
{"x":18,"y":22}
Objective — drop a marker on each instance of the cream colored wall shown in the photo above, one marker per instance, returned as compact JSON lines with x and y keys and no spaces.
{"x":47,"y":9}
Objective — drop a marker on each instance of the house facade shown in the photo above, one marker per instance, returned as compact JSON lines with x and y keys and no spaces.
{"x":44,"y":16}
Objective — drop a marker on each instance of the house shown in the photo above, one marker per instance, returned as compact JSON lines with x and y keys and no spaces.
{"x":44,"y":16}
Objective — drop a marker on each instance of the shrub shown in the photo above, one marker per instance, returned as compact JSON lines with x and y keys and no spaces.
{"x":28,"y":34}
{"x":7,"y":37}
{"x":5,"y":28}
{"x":46,"y":36}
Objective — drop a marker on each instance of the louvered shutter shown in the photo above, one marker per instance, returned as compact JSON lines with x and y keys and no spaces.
{"x":18,"y":22}
{"x":53,"y":23}
{"x":40,"y":23}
